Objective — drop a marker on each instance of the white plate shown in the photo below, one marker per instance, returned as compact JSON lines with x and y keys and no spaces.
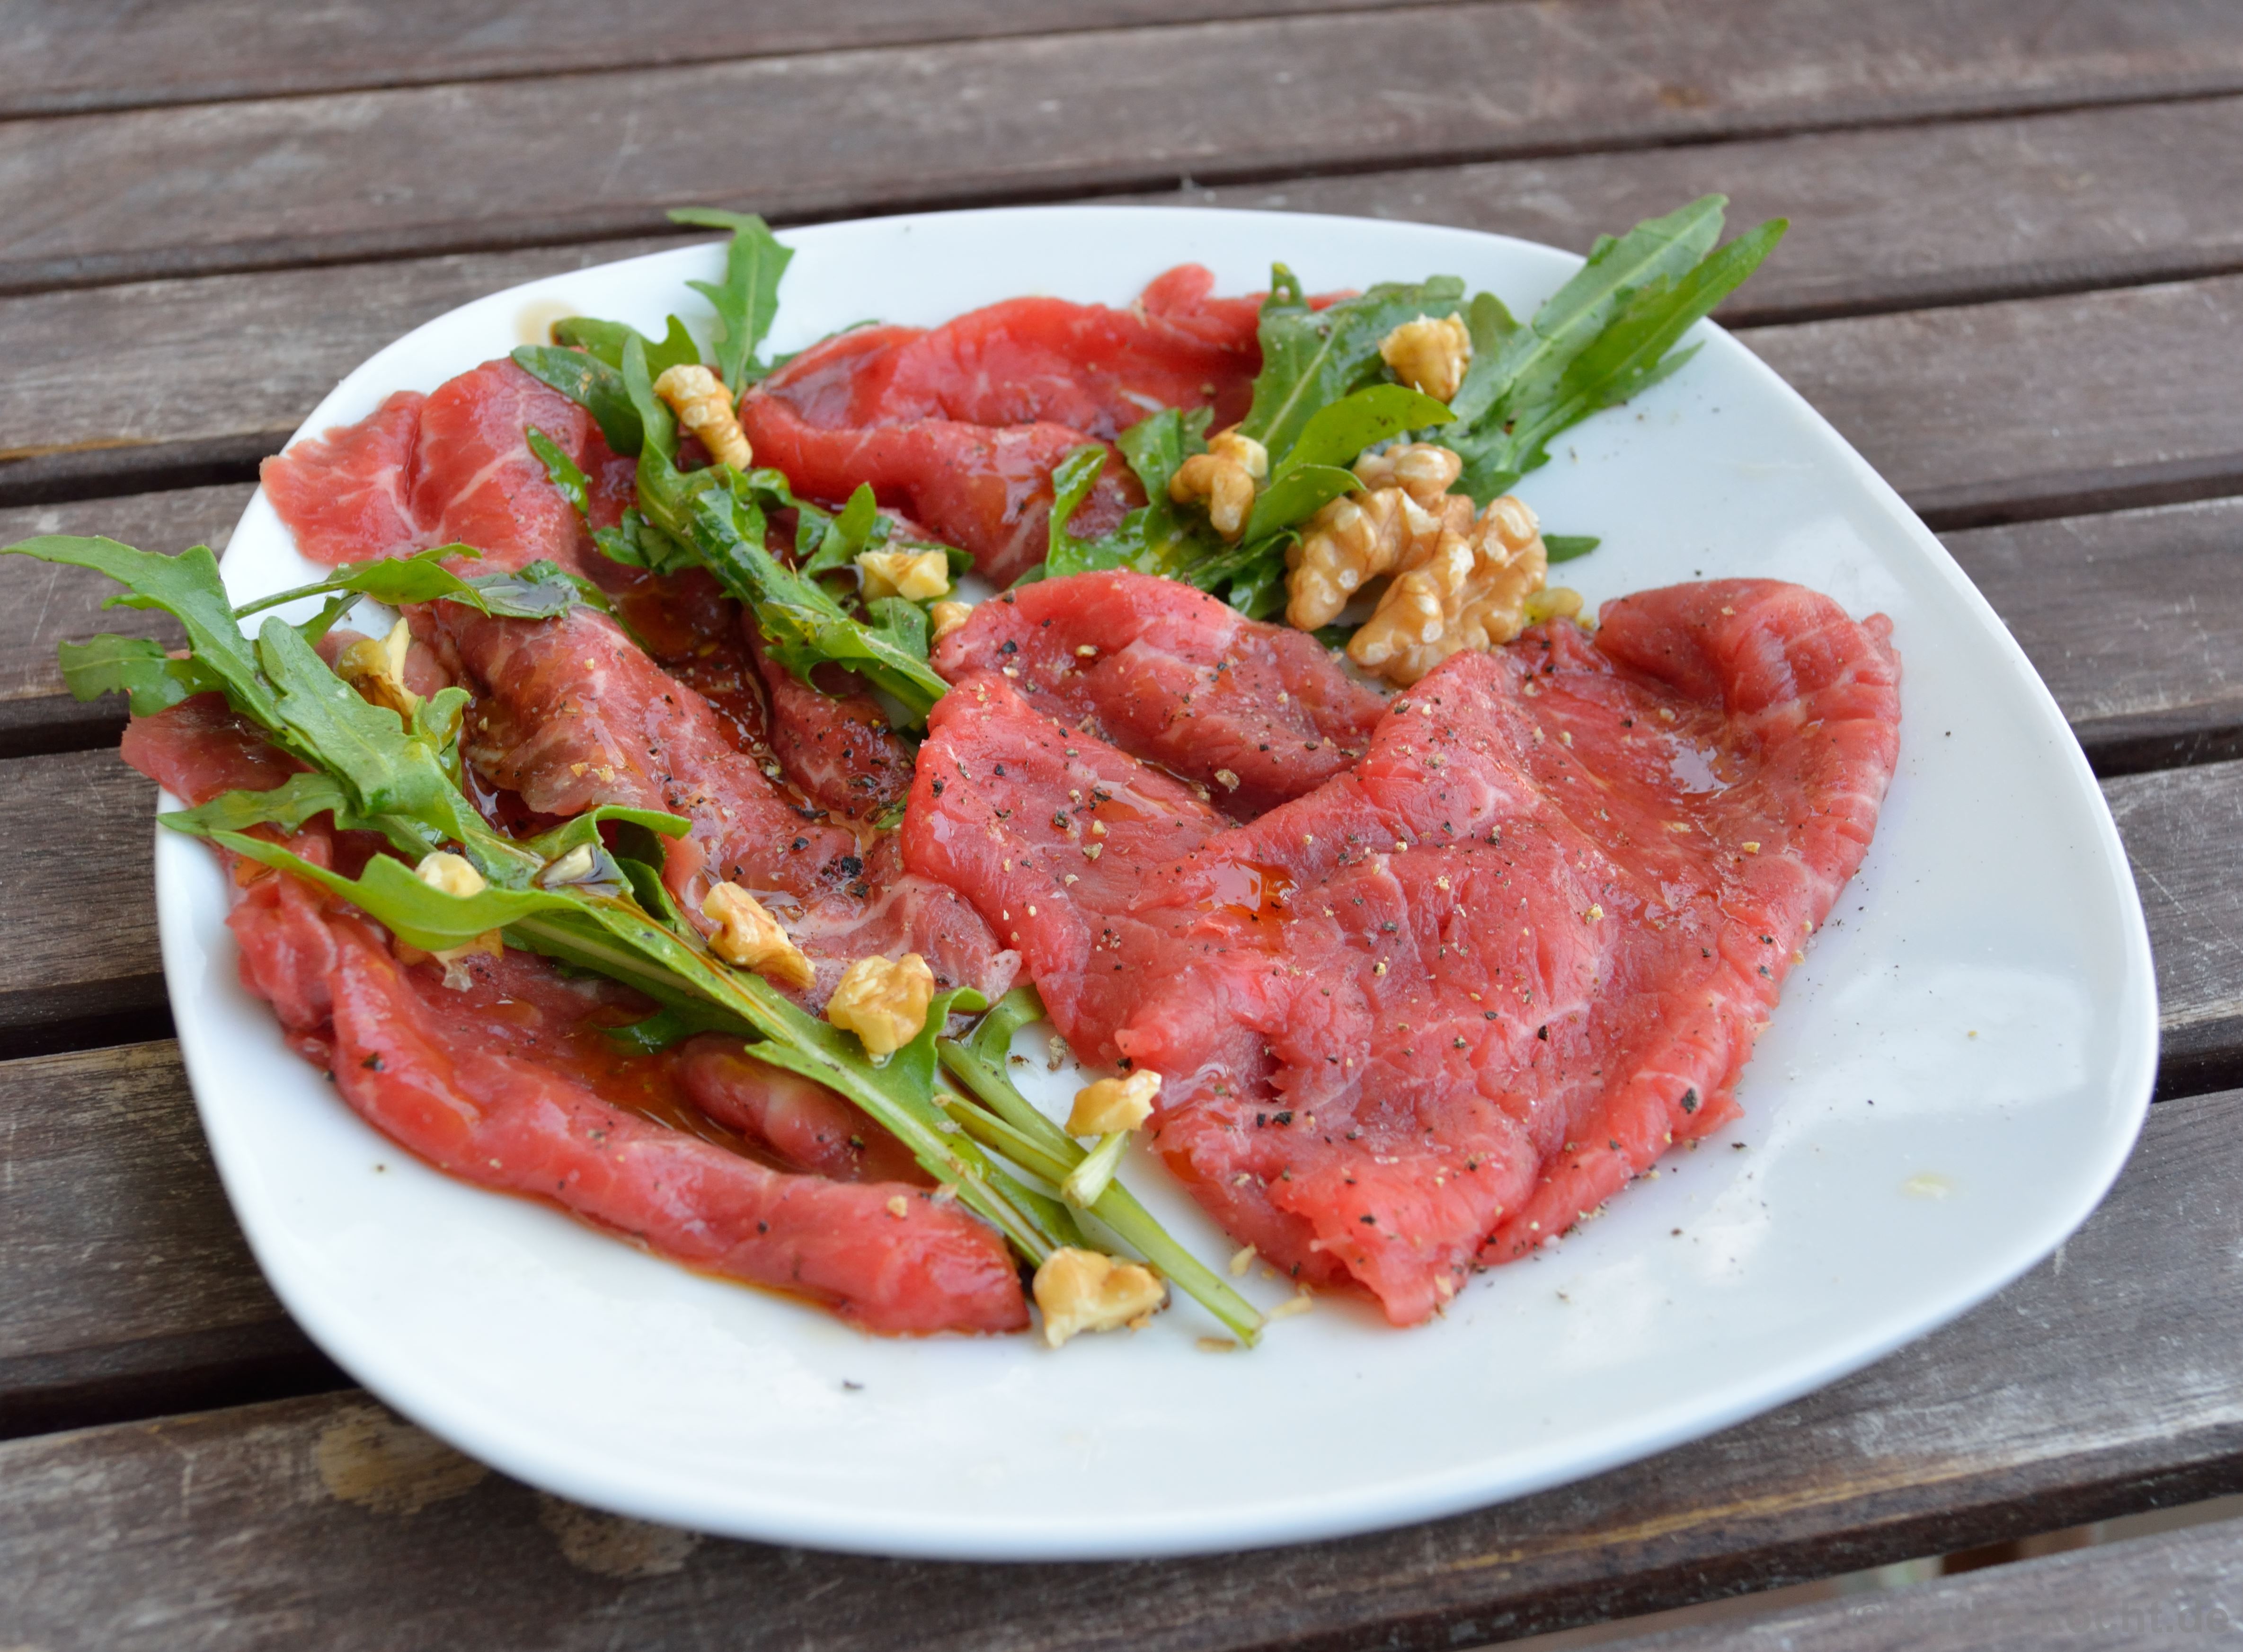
{"x":1954,"y":1078}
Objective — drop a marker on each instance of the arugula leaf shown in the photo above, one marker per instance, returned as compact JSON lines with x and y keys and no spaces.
{"x":1628,"y":355}
{"x":395,"y":581}
{"x":855,"y":529}
{"x":1490,"y":326}
{"x":561,"y":470}
{"x":140,"y":667}
{"x":1293,"y":497}
{"x":1338,"y":433}
{"x":636,"y":542}
{"x":186,"y":587}
{"x":1531,"y":359}
{"x":1072,"y":480}
{"x":1157,"y":446}
{"x":290,"y":805}
{"x":1564,"y":547}
{"x":902,"y":621}
{"x":1312,"y":358}
{"x":604,"y":342}
{"x":592,"y":385}
{"x":747,"y":300}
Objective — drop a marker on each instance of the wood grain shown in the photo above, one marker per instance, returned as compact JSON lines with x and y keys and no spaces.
{"x":77,"y":904}
{"x":122,"y":388}
{"x":129,"y":1290}
{"x":2172,"y":1592}
{"x":2109,"y":1380}
{"x":2181,"y":828}
{"x":500,"y":163}
{"x":1995,"y":412}
{"x":1891,"y":219}
{"x":41,"y":605}
{"x":2135,"y":622}
{"x":70,"y":58}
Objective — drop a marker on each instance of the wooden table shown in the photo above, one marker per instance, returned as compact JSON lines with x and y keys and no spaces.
{"x":2015,"y":280}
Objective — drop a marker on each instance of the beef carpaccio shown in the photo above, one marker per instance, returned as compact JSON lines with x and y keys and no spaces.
{"x":1425,"y":976}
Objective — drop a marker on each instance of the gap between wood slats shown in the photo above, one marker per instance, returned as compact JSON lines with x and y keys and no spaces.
{"x":87,"y":57}
{"x":2105,"y":1382}
{"x":511,"y":163}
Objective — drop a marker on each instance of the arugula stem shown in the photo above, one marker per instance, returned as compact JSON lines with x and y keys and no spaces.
{"x":1011,"y":1126}
{"x":1091,"y":1178}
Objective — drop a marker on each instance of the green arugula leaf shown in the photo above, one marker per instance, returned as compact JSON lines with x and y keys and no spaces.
{"x":1157,"y":446}
{"x":636,"y":542}
{"x":1530,"y":360}
{"x":1312,"y":358}
{"x":605,"y":340}
{"x":137,"y":666}
{"x":1338,"y":433}
{"x":1564,"y":547}
{"x":856,"y":529}
{"x":1294,"y":497}
{"x":1628,"y":356}
{"x":901,"y":623}
{"x":1072,"y":480}
{"x":395,"y":581}
{"x":746,"y":301}
{"x":290,"y":805}
{"x":1490,"y":326}
{"x":561,"y":470}
{"x":592,"y":385}
{"x":186,"y":587}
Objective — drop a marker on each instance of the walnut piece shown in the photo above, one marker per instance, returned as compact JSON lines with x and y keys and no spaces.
{"x":1114,"y":1104}
{"x":1430,"y":356}
{"x":704,"y":407}
{"x":883,"y":1001}
{"x":1470,"y":593}
{"x":377,"y":671}
{"x":1083,"y":1291}
{"x":914,"y":574}
{"x":1424,"y":470}
{"x":1224,"y":478}
{"x":944,"y":617}
{"x":1357,"y":538}
{"x":751,"y":937}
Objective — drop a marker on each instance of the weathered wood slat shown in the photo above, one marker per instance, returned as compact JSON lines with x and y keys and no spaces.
{"x":2109,"y":1380}
{"x":41,"y":605}
{"x":515,"y":163}
{"x":66,"y":58}
{"x":2135,"y":621}
{"x":1888,"y":219}
{"x":2166,"y":1593}
{"x":2043,"y":408}
{"x":120,"y":388}
{"x":2181,"y":828}
{"x":129,"y":1290}
{"x":77,"y":906}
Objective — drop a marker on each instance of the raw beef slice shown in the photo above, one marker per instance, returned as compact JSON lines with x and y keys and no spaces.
{"x":1431,"y":1013}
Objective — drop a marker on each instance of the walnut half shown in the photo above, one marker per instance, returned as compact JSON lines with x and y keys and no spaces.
{"x":1225,"y":479}
{"x":1430,"y":356}
{"x":1471,"y":592}
{"x":1355,"y":538}
{"x":750,"y":937}
{"x":704,"y":407}
{"x":883,"y":1001}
